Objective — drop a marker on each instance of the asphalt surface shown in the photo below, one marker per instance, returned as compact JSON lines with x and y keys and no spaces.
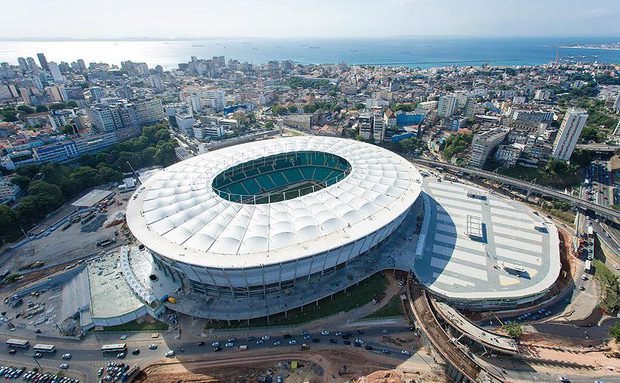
{"x":87,"y":357}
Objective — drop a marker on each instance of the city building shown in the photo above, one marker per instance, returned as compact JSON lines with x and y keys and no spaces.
{"x":60,"y":118}
{"x":43,"y":61}
{"x":57,"y":152}
{"x":378,"y":126}
{"x":483,"y":144}
{"x":446,"y":105}
{"x":365,"y":125}
{"x":55,"y":72}
{"x":568,"y":134}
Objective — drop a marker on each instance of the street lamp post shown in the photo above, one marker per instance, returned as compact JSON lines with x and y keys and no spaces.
{"x":36,"y":361}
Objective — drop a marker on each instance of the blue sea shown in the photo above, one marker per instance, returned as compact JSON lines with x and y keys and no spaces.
{"x":420,"y":52}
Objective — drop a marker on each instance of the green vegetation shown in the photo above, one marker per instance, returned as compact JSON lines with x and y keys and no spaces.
{"x":606,"y":79}
{"x":8,"y":114}
{"x":343,"y":301}
{"x":393,"y":308}
{"x":408,"y":145}
{"x":135,"y":326}
{"x":600,"y":121}
{"x":404,"y":107}
{"x":456,"y":144}
{"x":307,"y":83}
{"x":614,"y":331}
{"x":514,"y":330}
{"x":555,"y":173}
{"x":609,"y":287}
{"x":323,"y":105}
{"x":59,"y":183}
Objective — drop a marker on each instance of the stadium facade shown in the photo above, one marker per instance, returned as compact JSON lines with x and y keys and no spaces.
{"x":258,"y":219}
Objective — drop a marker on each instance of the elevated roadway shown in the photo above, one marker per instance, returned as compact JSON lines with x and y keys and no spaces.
{"x":528,"y":186}
{"x":461,"y":367}
{"x":598,"y":147}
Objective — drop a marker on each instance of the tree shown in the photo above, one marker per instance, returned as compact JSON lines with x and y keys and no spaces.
{"x":269,"y":125}
{"x":29,"y":170}
{"x":278,"y":110}
{"x":107,"y":174}
{"x":409,"y":144}
{"x":41,"y":108}
{"x":8,"y":223}
{"x":165,"y":155}
{"x":25,"y":109}
{"x":614,"y":331}
{"x":58,"y":106}
{"x":514,"y":330}
{"x":72,"y":104}
{"x":68,"y":130}
{"x":293,"y":108}
{"x":9,"y":115}
{"x":22,"y":181}
{"x":359,"y":106}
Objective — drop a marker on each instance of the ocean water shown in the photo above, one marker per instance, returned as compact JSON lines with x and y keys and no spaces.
{"x":420,"y":52}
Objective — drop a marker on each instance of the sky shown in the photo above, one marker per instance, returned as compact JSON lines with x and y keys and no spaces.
{"x":86,"y":19}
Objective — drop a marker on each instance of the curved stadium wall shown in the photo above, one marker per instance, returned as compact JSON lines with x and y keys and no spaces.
{"x":255,"y":218}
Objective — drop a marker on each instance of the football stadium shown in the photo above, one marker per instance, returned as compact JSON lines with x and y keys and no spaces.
{"x":260,"y":222}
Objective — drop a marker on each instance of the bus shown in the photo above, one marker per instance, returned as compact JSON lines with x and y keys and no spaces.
{"x":21,"y":343}
{"x":120,"y":347}
{"x":44,"y":348}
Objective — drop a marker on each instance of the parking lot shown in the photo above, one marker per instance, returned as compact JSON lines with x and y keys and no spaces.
{"x":66,"y":244}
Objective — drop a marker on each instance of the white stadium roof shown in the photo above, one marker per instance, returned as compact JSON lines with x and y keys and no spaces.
{"x":177,"y":214}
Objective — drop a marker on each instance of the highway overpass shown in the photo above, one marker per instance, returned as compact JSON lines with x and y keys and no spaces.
{"x":598,"y":147}
{"x":528,"y":186}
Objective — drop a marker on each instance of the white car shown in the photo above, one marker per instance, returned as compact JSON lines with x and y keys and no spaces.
{"x":153,"y":346}
{"x":215,"y":344}
{"x":292,"y":341}
{"x":66,"y":356}
{"x":405,"y":352}
{"x":64,"y":366}
{"x":324,"y":332}
{"x":265,"y":337}
{"x":170,"y":354}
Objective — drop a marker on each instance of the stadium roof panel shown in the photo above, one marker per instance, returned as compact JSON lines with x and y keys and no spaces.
{"x":177,"y":214}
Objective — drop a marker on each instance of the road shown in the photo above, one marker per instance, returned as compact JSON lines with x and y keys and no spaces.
{"x":578,"y":202}
{"x":87,"y":357}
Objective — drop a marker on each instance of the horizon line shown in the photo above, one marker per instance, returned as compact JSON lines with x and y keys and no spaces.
{"x":152,"y":38}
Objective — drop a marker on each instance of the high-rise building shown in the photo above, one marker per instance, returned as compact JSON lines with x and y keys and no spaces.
{"x":149,"y":112}
{"x":194,"y":102}
{"x":617,"y":104}
{"x":156,"y":82}
{"x":378,"y":127}
{"x":57,"y":93}
{"x":216,"y":98}
{"x":483,"y":144}
{"x":96,"y":93}
{"x":55,"y":72}
{"x":365,"y":125}
{"x":43,"y":61}
{"x":22,"y":63}
{"x":32,"y":65}
{"x":568,"y":134}
{"x":446,"y":105}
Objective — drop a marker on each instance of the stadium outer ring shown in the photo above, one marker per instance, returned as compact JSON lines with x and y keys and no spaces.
{"x":176,"y":212}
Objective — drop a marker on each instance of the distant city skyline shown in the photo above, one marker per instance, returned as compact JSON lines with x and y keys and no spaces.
{"x":116,"y":19}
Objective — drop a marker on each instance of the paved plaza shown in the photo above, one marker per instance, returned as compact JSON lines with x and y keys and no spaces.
{"x":481,"y":246}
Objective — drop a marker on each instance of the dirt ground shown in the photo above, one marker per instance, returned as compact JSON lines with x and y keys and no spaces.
{"x":326,"y":366}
